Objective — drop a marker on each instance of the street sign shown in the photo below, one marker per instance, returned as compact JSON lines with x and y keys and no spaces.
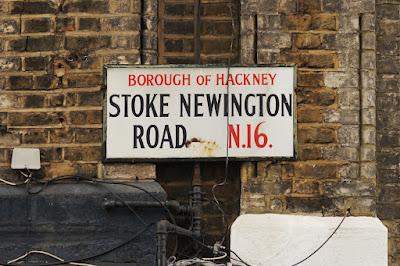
{"x":165,"y":112}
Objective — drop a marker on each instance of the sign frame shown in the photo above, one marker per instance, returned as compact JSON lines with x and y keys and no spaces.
{"x":195,"y":159}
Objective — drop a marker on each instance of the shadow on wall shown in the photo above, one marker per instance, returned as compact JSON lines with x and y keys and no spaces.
{"x":176,"y":179}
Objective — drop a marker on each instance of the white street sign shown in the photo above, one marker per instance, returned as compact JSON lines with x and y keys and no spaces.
{"x":199,"y":112}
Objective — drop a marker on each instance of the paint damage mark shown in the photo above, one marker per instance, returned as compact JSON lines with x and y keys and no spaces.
{"x":201,"y":146}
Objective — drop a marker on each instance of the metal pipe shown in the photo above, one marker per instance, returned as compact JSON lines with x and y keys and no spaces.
{"x":162,"y":235}
{"x":163,"y":229}
{"x":196,"y":201}
{"x":172,"y":205}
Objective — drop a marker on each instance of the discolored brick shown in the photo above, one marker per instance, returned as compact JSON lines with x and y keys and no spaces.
{"x":92,"y":24}
{"x":319,"y":97}
{"x":120,"y":6}
{"x":36,"y":63}
{"x":87,"y":42}
{"x":309,"y":115}
{"x":89,"y":135}
{"x":9,"y":137}
{"x":64,"y":24}
{"x":316,"y":171}
{"x":121,"y":24}
{"x":51,"y":155}
{"x":45,"y":43}
{"x":179,"y":27}
{"x":18,"y":45}
{"x":61,"y":135}
{"x":84,"y":80}
{"x":37,"y":25}
{"x":310,"y":79}
{"x":210,"y":27}
{"x":34,"y":101}
{"x":35,"y":137}
{"x":56,"y":100}
{"x":10,"y":64}
{"x":34,"y":119}
{"x":308,"y":41}
{"x":309,"y":205}
{"x":86,"y":6}
{"x":85,"y":117}
{"x":306,"y":187}
{"x":34,"y":7}
{"x":309,"y":6}
{"x":20,"y":82}
{"x":46,"y":82}
{"x":90,"y":98}
{"x":317,"y":135}
{"x":9,"y":26}
{"x":82,"y":153}
{"x":181,"y":9}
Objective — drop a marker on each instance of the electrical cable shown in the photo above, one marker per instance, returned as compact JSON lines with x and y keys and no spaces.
{"x":96,"y":181}
{"x":222,"y":247}
{"x":162,"y":204}
{"x":326,"y":241}
{"x":89,"y":257}
{"x":90,"y":180}
{"x":227,"y":129}
{"x":194,"y":261}
{"x":217,"y":258}
{"x":8,"y":182}
{"x":125,"y":204}
{"x":49,"y":255}
{"x":239,"y":258}
{"x":27,"y":178}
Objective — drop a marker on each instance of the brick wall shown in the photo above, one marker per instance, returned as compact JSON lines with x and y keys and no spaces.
{"x":217,"y":19}
{"x":51,"y":77}
{"x":333,"y":45}
{"x":388,"y":121}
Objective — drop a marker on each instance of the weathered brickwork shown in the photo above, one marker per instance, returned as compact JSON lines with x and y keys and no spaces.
{"x":388,"y":121}
{"x":51,"y":77}
{"x":217,"y":29}
{"x":52,"y":54}
{"x":333,"y":45}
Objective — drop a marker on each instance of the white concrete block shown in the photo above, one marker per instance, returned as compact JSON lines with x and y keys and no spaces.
{"x":283,"y":240}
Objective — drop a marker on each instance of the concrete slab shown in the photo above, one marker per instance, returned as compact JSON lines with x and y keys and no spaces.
{"x":275,"y":239}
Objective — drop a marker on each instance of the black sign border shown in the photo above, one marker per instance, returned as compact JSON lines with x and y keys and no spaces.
{"x":195,"y":159}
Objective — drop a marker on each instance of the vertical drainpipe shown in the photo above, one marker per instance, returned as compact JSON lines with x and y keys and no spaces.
{"x":196,"y":201}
